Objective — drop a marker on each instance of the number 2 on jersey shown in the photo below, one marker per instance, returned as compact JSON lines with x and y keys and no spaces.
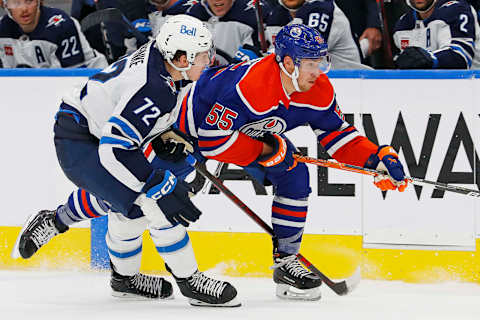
{"x":221,"y":116}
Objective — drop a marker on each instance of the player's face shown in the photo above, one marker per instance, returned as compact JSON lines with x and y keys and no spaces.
{"x":421,"y":4}
{"x":220,"y":7}
{"x":24,"y":12}
{"x":310,"y":70}
{"x":201,"y":62}
{"x":293,"y":4}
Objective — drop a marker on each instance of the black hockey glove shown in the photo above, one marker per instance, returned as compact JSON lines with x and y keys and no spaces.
{"x":416,"y":58}
{"x":172,"y":145}
{"x":173,"y":197}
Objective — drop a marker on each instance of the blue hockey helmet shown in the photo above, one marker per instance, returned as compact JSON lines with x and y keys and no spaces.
{"x":299,"y":41}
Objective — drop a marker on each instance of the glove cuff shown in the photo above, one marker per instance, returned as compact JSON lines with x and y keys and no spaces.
{"x":279,"y":146}
{"x":375,"y":158}
{"x":159,"y":184}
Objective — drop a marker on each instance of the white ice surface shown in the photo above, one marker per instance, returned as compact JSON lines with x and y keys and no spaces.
{"x":86,"y":296}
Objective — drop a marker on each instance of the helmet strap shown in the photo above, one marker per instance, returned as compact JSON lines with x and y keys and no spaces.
{"x":418,"y":10}
{"x":294,"y":75}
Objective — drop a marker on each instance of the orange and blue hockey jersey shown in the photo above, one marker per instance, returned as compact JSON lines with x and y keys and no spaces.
{"x":227,"y":108}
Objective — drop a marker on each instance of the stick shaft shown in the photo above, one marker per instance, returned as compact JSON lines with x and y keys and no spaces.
{"x":260,"y":26}
{"x":372,"y":172}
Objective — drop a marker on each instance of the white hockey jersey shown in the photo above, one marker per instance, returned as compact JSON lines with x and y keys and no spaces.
{"x":56,"y":42}
{"x":452,"y":33}
{"x":230,"y":32}
{"x":126,"y":105}
{"x":158,"y":18}
{"x":326,"y":17}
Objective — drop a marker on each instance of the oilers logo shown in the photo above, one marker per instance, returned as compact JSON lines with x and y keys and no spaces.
{"x":296,"y":32}
{"x":259,"y":128}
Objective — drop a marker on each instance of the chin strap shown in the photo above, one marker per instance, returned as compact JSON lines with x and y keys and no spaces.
{"x":293,"y":76}
{"x":182,"y":70}
{"x":418,"y":10}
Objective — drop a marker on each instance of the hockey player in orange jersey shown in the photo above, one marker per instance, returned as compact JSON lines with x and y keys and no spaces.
{"x":237,"y":114}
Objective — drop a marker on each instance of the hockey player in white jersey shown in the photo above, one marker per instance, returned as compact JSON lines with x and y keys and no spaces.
{"x":234,"y":27}
{"x":100,"y":131}
{"x":166,"y":8}
{"x":35,"y":36}
{"x":438,"y":34}
{"x":328,"y":19}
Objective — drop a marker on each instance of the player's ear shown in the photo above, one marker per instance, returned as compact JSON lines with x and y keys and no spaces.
{"x":180,"y":60}
{"x":288,"y":64}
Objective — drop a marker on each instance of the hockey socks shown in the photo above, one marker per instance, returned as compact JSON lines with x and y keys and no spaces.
{"x":288,"y":220}
{"x":81,"y":205}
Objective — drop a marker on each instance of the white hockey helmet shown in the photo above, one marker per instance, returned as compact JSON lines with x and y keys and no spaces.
{"x":428,"y":7}
{"x":184,"y":33}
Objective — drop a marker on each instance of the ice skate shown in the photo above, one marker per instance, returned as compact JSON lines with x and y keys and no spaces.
{"x":207,"y":292}
{"x":293,"y":281}
{"x":38,"y":230}
{"x":140,"y":287}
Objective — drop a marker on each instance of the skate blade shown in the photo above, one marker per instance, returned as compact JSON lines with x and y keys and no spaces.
{"x":135,"y":297}
{"x":230,"y":304}
{"x":287,"y":292}
{"x":15,"y":254}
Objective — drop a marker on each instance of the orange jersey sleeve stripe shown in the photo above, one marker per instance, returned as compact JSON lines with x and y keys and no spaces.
{"x":356,"y":152}
{"x":244,"y":151}
{"x":212,"y":143}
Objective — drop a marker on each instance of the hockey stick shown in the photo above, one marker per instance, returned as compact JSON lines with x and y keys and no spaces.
{"x":372,"y":172}
{"x":217,"y":172}
{"x":112,"y":15}
{"x":341,"y":288}
{"x":105,"y":38}
{"x":387,"y":47}
{"x":260,"y":26}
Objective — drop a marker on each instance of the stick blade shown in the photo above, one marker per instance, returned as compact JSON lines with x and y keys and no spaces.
{"x":348,"y":285}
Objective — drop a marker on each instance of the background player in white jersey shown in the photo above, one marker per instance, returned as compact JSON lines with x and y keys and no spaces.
{"x":328,"y":19}
{"x":100,"y":131}
{"x":35,"y":36}
{"x":165,"y":9}
{"x":438,"y":34}
{"x":234,"y":27}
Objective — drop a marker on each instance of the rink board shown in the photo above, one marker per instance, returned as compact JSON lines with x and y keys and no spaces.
{"x":249,"y":254}
{"x":418,"y":235}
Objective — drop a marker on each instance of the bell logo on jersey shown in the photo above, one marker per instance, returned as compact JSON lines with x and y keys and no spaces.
{"x":404,"y":43}
{"x":259,"y":128}
{"x":55,"y":20}
{"x":189,"y":32}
